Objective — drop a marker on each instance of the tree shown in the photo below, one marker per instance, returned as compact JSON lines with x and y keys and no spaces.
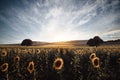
{"x":96,"y":41}
{"x":26,"y":42}
{"x":91,"y":42}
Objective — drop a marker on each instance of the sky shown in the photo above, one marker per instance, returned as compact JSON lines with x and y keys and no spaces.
{"x":58,"y":20}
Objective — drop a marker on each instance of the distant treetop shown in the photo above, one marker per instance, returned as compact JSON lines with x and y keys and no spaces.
{"x":26,"y":42}
{"x":96,"y":41}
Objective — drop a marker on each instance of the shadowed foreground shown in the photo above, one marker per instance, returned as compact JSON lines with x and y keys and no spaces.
{"x":59,"y":63}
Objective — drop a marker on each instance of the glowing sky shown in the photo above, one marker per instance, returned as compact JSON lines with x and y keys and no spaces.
{"x":58,"y":20}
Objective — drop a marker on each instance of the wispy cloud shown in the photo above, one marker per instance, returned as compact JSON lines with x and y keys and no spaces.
{"x":56,"y":20}
{"x":111,"y":32}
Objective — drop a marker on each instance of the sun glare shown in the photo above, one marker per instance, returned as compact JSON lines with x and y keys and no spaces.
{"x":58,"y":38}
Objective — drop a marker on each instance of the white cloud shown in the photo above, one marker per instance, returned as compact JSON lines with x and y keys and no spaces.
{"x":111,"y":32}
{"x":87,"y":18}
{"x":58,"y":21}
{"x":53,"y":20}
{"x":111,"y":35}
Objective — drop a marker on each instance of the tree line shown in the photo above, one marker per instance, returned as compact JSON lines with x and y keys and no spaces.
{"x":96,"y":41}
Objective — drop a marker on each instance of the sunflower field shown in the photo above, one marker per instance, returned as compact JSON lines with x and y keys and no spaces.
{"x":59,"y":63}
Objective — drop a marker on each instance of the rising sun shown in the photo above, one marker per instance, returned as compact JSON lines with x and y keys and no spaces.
{"x":61,"y":38}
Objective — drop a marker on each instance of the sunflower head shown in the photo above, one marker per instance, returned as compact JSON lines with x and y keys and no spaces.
{"x":58,"y":64}
{"x":4,"y":67}
{"x":30,"y":51}
{"x":19,"y":50}
{"x":24,"y":51}
{"x":93,"y":55}
{"x":17,"y":59}
{"x":38,"y":51}
{"x":9,"y":50}
{"x":30,"y":67}
{"x":3,"y":53}
{"x":96,"y":62}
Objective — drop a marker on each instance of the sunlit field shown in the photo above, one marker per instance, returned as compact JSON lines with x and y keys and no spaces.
{"x":59,"y":63}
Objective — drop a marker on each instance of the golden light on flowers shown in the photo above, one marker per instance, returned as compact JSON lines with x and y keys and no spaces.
{"x":4,"y":67}
{"x":15,"y":50}
{"x":3,"y":53}
{"x":37,"y":51}
{"x":17,"y":58}
{"x":30,"y":67}
{"x":19,"y":50}
{"x":24,"y":51}
{"x":58,"y":64}
{"x":8,"y":50}
{"x":93,"y":55}
{"x":29,"y":50}
{"x":96,"y":62}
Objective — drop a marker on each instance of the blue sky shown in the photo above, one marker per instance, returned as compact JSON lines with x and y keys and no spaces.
{"x":58,"y":20}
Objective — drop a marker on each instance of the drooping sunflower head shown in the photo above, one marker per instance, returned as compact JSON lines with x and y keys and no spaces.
{"x":96,"y":62}
{"x":3,"y":53}
{"x":8,"y":50}
{"x":58,"y":64}
{"x":17,"y":59}
{"x":24,"y":51}
{"x":30,"y":51}
{"x":30,"y":67}
{"x":38,"y":51}
{"x":4,"y":67}
{"x":93,"y":55}
{"x":19,"y":50}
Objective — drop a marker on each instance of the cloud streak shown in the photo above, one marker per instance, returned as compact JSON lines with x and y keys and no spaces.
{"x":59,"y":20}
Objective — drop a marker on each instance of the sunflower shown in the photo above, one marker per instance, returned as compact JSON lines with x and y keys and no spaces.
{"x":9,"y":50}
{"x":17,"y":59}
{"x":19,"y":50}
{"x":30,"y":67}
{"x":3,"y":53}
{"x":30,"y":51}
{"x":24,"y":51}
{"x":58,"y":64}
{"x":15,"y":50}
{"x":4,"y":67}
{"x":96,"y":62}
{"x":37,"y":51}
{"x":93,"y":55}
